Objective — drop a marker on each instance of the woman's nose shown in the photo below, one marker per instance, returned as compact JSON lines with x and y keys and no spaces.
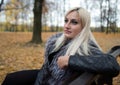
{"x":67,"y":25}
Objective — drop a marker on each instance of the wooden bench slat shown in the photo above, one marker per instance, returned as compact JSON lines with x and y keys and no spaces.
{"x":84,"y":79}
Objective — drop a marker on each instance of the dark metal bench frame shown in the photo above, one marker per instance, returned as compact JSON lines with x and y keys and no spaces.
{"x":88,"y":78}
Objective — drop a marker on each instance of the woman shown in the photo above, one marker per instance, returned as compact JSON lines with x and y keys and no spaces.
{"x":73,"y":52}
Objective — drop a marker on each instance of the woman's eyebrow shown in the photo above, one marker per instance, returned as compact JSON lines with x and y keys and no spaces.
{"x":78,"y":20}
{"x":66,"y":18}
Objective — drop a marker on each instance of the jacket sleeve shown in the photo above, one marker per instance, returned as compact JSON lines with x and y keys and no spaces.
{"x":100,"y":64}
{"x":97,"y":62}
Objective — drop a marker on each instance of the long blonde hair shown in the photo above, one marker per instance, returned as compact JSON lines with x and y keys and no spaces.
{"x":80,"y":42}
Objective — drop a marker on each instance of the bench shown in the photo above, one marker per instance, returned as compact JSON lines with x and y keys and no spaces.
{"x":88,"y":78}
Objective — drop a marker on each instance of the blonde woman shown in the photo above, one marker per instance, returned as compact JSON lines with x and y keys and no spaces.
{"x":73,"y":52}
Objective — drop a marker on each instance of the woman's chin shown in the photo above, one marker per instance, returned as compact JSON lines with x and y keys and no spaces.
{"x":68,"y":36}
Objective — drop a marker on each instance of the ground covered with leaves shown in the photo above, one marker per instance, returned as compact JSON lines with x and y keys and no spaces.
{"x":17,"y":54}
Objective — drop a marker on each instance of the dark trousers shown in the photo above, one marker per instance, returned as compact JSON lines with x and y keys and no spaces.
{"x":26,"y":77}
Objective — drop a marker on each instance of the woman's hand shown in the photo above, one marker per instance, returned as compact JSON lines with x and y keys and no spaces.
{"x":63,"y":61}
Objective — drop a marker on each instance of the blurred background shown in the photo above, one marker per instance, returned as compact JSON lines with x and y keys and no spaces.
{"x":25,"y":26}
{"x":18,"y":15}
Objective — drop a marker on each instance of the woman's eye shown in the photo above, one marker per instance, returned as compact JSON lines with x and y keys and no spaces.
{"x":74,"y":22}
{"x":66,"y":20}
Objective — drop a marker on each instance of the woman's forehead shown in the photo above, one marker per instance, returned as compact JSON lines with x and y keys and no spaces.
{"x":73,"y":15}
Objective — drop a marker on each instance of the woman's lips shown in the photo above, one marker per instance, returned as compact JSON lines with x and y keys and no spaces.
{"x":67,"y":31}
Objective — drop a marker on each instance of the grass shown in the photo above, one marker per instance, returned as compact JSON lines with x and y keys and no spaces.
{"x":16,"y":54}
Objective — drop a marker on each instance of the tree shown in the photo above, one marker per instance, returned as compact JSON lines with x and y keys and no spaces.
{"x":102,"y":16}
{"x":109,"y":15}
{"x":112,"y":18}
{"x":13,"y":10}
{"x":37,"y":24}
{"x":1,"y":4}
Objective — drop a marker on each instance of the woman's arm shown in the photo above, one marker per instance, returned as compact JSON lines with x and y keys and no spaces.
{"x":96,"y":62}
{"x":101,"y":64}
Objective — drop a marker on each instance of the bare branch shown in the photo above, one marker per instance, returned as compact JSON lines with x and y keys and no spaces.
{"x":15,"y":8}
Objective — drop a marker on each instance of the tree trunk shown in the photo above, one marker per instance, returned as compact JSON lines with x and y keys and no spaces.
{"x":37,"y":24}
{"x":1,"y":3}
{"x":101,"y":16}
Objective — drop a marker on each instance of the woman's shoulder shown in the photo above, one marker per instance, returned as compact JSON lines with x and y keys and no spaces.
{"x":93,"y":47}
{"x":92,"y":44}
{"x":53,"y":38}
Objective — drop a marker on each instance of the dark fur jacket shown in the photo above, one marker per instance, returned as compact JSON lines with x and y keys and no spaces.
{"x":98,"y":62}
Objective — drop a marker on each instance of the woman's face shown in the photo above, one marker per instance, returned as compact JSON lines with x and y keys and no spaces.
{"x":72,"y":26}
